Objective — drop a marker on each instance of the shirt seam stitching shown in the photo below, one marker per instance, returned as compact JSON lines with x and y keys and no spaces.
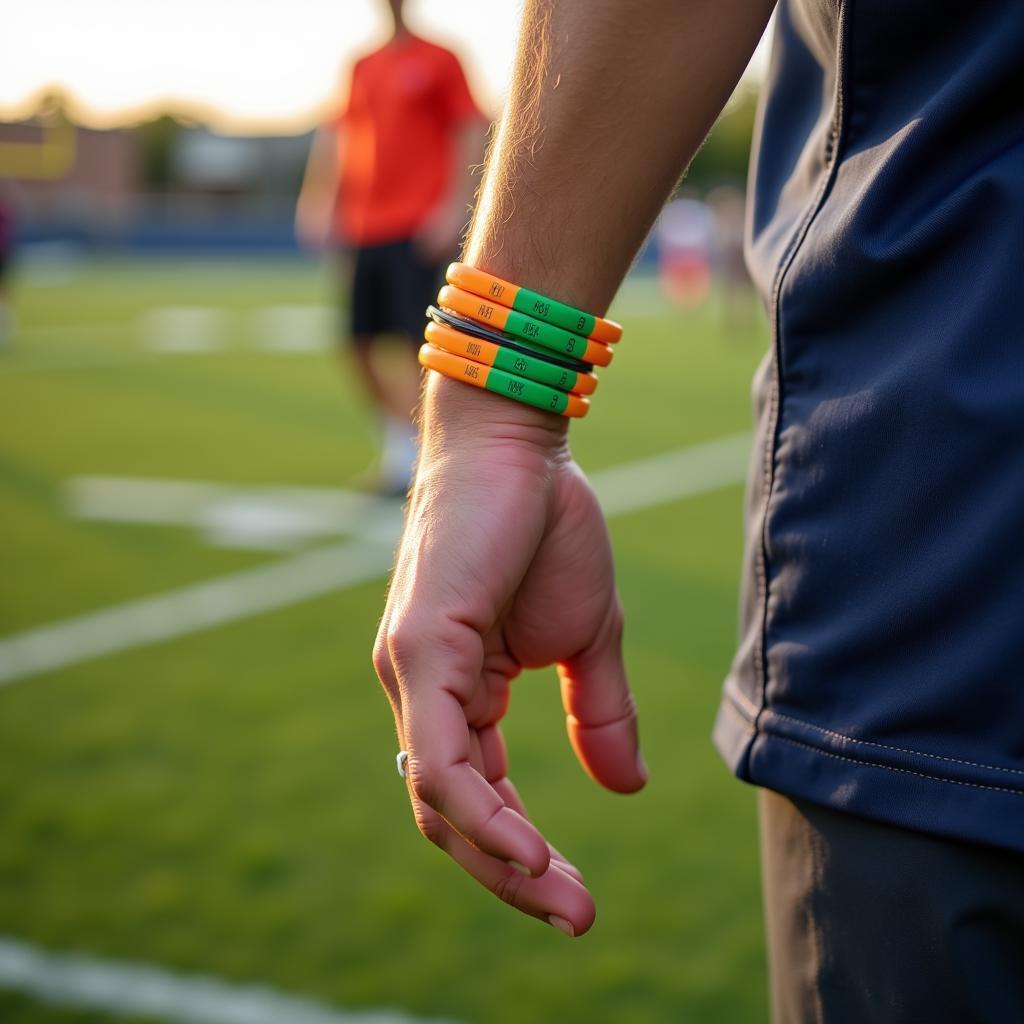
{"x":836,"y":135}
{"x":892,"y":768}
{"x":901,"y":750}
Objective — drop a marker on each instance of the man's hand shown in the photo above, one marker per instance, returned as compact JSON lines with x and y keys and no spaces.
{"x":313,"y":228}
{"x":505,"y":564}
{"x":505,"y":561}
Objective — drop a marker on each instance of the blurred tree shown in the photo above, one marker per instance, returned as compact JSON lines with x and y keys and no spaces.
{"x":157,"y":139}
{"x":725,"y":155}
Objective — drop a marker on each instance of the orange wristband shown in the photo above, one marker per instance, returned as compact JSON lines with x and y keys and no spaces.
{"x":517,"y":361}
{"x":519,"y":389}
{"x":530,"y":303}
{"x":501,"y":318}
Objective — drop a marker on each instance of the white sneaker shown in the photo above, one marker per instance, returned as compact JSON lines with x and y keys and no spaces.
{"x":398,"y":456}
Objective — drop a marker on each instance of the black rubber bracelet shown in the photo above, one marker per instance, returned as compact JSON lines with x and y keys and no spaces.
{"x":467,"y":326}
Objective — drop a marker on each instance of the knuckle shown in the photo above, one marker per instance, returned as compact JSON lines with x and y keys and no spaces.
{"x":381,"y":659}
{"x":628,"y":706}
{"x":426,"y":783}
{"x":475,"y":834}
{"x":402,"y":642}
{"x":506,"y":886}
{"x":623,"y":709}
{"x":431,"y":826}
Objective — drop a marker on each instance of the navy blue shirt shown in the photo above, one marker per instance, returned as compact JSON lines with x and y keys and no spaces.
{"x":881,"y":662}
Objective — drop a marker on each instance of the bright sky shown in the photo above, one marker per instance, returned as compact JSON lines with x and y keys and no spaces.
{"x":240,"y":64}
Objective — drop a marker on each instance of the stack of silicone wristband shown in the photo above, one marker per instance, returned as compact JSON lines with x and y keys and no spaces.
{"x":514,"y":342}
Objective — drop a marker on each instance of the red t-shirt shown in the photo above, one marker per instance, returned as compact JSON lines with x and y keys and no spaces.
{"x":397,"y":137}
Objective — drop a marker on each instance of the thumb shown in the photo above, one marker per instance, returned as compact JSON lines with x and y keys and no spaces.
{"x":600,"y":711}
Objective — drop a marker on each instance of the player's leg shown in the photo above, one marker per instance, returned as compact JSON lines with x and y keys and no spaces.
{"x":393,"y":384}
{"x":367,"y":319}
{"x":360,"y":355}
{"x":868,"y":922}
{"x":375,"y":314}
{"x":415,"y":287}
{"x":384,"y":302}
{"x":411,"y":285}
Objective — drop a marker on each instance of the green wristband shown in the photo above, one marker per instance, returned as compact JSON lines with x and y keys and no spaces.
{"x":535,"y":369}
{"x":526,"y":391}
{"x":553,"y":312}
{"x":548,"y":336}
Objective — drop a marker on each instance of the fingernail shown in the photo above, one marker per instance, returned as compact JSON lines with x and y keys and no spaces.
{"x":641,"y":766}
{"x":562,"y":925}
{"x":521,"y":868}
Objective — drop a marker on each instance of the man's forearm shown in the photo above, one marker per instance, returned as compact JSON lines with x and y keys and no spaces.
{"x":609,"y":102}
{"x":314,"y":208}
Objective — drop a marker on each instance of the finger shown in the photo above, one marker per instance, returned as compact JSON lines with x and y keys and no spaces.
{"x":494,"y":693}
{"x":493,"y":753}
{"x":510,"y":795}
{"x":476,"y":754}
{"x":441,"y":774}
{"x":601,"y":713}
{"x":557,"y":897}
{"x":486,"y":705}
{"x":495,"y":757}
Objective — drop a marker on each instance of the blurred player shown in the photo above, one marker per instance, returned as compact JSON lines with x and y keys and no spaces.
{"x":389,"y":182}
{"x":684,"y":233}
{"x":728,"y":208}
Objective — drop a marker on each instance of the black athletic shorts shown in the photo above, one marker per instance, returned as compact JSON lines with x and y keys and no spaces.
{"x":873,"y":924}
{"x":391,"y":288}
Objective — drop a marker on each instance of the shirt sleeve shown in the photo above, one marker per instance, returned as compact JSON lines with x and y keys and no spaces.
{"x":457,"y":99}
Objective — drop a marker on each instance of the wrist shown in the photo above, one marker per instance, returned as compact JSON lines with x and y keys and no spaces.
{"x":451,"y":413}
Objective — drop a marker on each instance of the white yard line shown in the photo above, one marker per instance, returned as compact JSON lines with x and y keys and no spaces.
{"x":161,"y":331}
{"x":669,"y":476}
{"x":622,"y":489}
{"x":270,"y":518}
{"x":193,"y":608}
{"x":296,"y":328}
{"x":174,"y":329}
{"x":139,"y":990}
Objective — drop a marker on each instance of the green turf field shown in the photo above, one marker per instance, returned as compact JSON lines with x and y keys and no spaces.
{"x":227,"y":802}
